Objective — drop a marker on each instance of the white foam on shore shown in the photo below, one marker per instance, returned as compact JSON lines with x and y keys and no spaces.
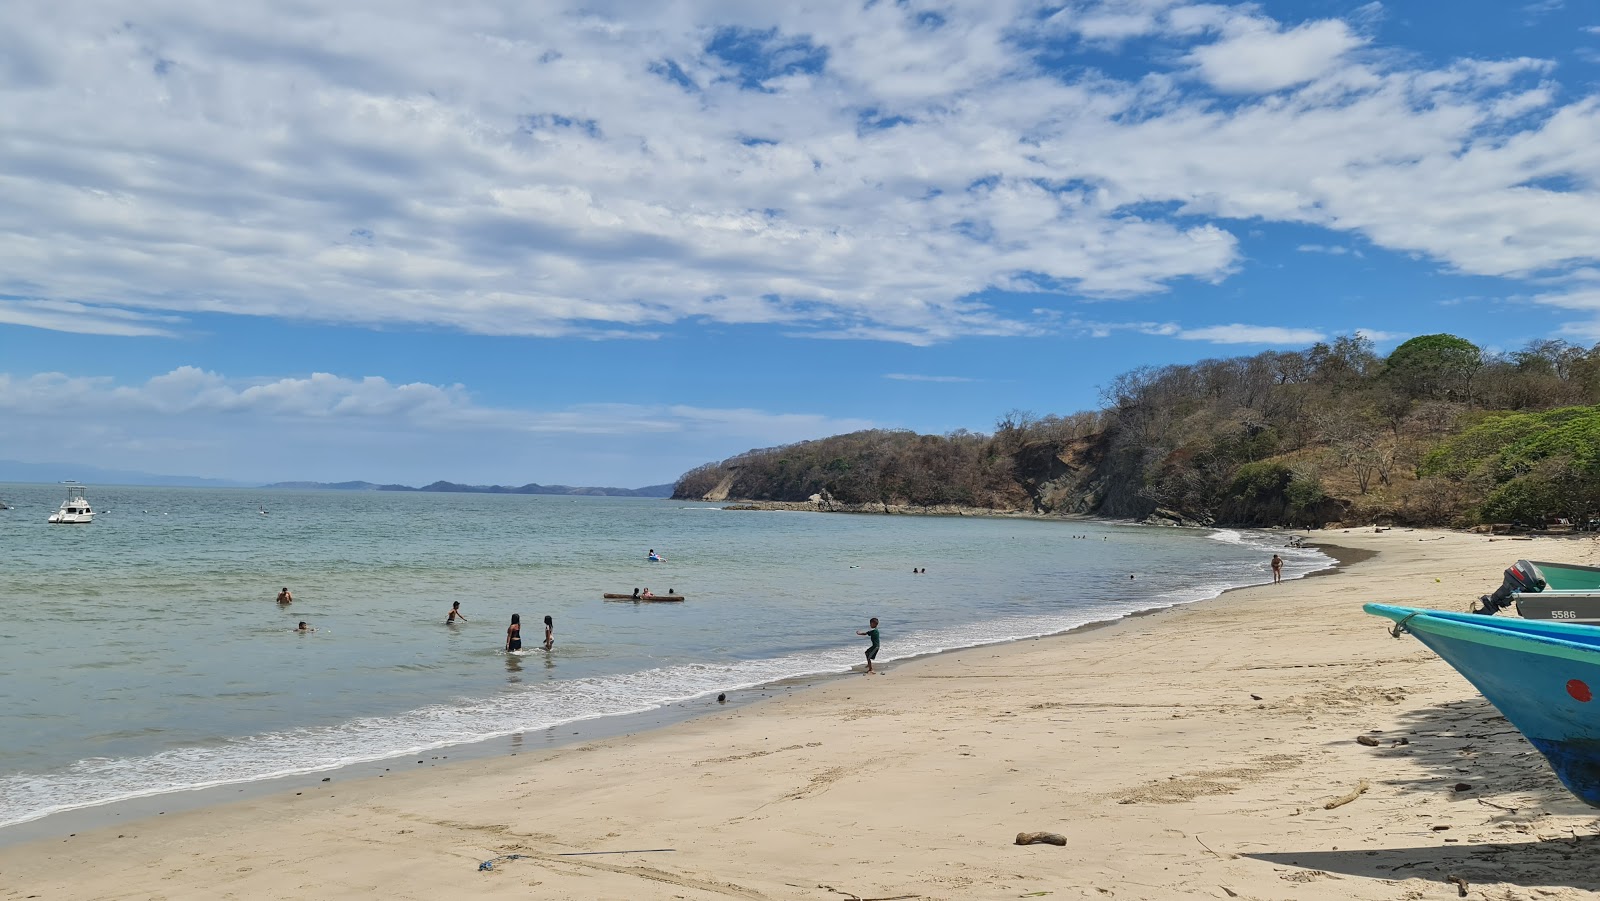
{"x":97,"y":781}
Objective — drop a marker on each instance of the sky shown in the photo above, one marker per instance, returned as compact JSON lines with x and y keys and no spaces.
{"x":601,"y":243}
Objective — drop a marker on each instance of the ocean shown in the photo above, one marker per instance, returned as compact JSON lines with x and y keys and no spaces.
{"x":144,"y":653}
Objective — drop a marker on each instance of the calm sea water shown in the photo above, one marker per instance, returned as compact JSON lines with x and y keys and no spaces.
{"x":144,"y":653}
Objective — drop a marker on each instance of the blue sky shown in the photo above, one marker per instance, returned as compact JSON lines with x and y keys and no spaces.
{"x":604,"y":242}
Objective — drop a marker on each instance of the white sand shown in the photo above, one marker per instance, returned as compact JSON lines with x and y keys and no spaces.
{"x":1139,"y":742}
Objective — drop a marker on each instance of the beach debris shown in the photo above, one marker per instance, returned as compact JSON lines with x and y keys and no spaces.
{"x":855,"y":897}
{"x":1367,"y":740}
{"x":1036,"y":838}
{"x":489,"y":864}
{"x":640,"y":851}
{"x":1463,"y":787}
{"x":1459,"y":882}
{"x":1354,"y":793}
{"x":722,"y":698}
{"x":1255,"y":697}
{"x":1228,"y":891}
{"x":1213,"y":853}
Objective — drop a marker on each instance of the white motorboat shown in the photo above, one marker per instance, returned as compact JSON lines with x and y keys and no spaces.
{"x":75,"y":509}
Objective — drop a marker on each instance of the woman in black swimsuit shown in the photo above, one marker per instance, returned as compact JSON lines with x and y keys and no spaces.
{"x":514,"y":633}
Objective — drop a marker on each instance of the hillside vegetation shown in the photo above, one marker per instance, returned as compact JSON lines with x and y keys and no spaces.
{"x":1439,"y":432}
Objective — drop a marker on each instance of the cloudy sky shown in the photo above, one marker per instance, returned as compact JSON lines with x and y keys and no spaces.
{"x":604,"y":242}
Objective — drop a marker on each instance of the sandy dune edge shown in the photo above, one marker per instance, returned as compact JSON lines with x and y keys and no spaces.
{"x":1140,"y":742}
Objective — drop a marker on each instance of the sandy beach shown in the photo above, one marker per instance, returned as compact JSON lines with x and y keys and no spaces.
{"x":1188,"y":753}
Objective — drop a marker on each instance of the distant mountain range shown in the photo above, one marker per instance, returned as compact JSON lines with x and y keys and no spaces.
{"x":51,"y":473}
{"x":530,"y":488}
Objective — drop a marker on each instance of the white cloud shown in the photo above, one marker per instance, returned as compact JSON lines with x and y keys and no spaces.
{"x":286,"y":428}
{"x":1256,"y":55}
{"x":1379,"y":336}
{"x":907,"y":377}
{"x":1098,"y":329}
{"x":865,"y":172}
{"x":84,"y":319}
{"x":1334,"y":249}
{"x":1252,"y":334}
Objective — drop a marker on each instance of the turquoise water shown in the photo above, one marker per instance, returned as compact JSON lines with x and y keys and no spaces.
{"x":144,"y":653}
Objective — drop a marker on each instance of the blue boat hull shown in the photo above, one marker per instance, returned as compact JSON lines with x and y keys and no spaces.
{"x":1544,"y":676}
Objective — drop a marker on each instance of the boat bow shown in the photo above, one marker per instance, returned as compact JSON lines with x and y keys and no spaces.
{"x":1542,"y":675}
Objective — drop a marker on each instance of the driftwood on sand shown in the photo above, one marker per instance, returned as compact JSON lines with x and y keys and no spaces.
{"x":1354,"y":793}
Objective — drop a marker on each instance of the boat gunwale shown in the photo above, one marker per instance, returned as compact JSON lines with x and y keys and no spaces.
{"x":1444,"y":624}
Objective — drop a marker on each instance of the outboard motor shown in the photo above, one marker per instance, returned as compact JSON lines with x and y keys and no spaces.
{"x":1521,"y":578}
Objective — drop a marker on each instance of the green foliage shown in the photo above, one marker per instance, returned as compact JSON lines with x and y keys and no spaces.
{"x":1260,"y":481}
{"x":1533,"y":465}
{"x":1434,"y":366}
{"x":1304,"y":492}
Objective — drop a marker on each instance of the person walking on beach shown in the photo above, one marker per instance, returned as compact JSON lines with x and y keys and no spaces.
{"x":284,"y":597}
{"x":872,"y":650}
{"x":549,"y":633}
{"x":1277,"y":569}
{"x":455,"y":613}
{"x":514,"y":633}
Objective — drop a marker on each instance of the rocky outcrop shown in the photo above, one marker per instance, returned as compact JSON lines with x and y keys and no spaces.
{"x":1164,"y":517}
{"x":820,"y":504}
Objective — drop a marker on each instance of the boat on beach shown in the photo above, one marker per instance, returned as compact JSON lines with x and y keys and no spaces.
{"x":1563,"y":576}
{"x":660,"y":598}
{"x":1541,"y":675}
{"x":75,"y":510}
{"x":1541,"y":589}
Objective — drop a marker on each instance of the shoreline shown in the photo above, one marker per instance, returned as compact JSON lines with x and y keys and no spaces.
{"x":131,"y":811}
{"x":1194,"y":753}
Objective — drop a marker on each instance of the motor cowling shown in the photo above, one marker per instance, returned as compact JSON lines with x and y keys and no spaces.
{"x":1519,"y":578}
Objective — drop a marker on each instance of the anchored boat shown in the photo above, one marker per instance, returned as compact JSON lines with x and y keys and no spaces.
{"x":1542,"y":675}
{"x":75,"y":510}
{"x":653,"y":599}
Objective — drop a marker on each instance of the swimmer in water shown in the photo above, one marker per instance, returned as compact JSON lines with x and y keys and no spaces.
{"x":303,"y":627}
{"x":284,"y":597}
{"x":455,"y":613}
{"x":514,"y":633}
{"x":549,"y":633}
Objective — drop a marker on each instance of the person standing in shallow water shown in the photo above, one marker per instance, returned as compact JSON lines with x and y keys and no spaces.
{"x":284,"y":597}
{"x":455,"y":613}
{"x":514,"y":633}
{"x":549,"y":633}
{"x":1277,"y":569}
{"x":872,"y":650}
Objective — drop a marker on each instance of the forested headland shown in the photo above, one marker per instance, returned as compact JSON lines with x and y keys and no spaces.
{"x":1439,"y":432}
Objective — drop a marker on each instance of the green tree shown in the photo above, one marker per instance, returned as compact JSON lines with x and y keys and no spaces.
{"x":1435,"y":367}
